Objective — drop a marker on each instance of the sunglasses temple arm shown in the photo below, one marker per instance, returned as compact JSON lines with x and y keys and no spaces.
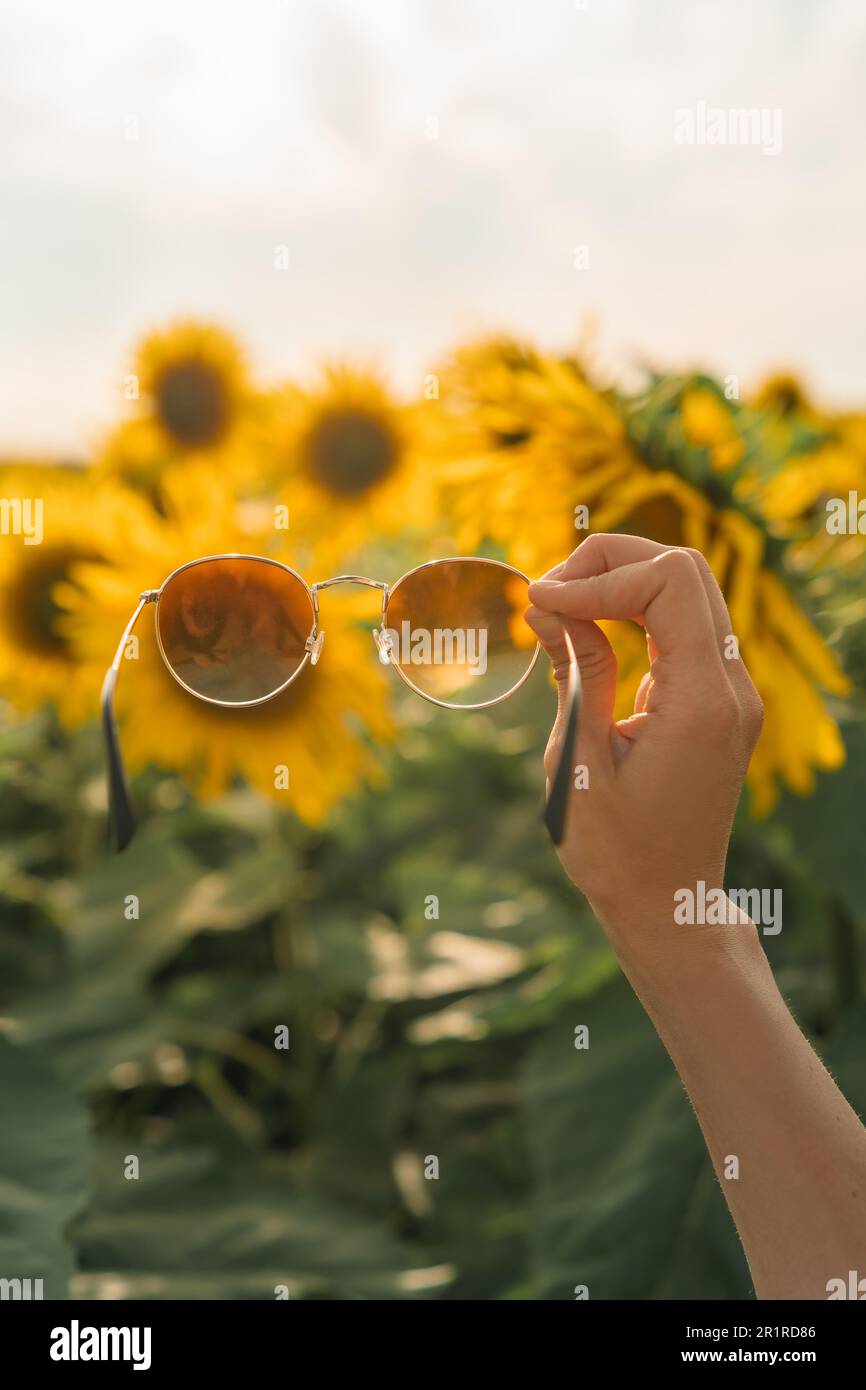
{"x":120,"y":812}
{"x":560,"y":784}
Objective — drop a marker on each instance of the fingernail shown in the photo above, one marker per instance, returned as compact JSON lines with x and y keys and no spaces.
{"x":544,"y":586}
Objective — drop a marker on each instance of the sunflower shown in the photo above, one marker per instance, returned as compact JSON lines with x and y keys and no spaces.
{"x":760,"y":475}
{"x":518,"y":429}
{"x":349,"y":460}
{"x":676,"y":464}
{"x":786,"y":656}
{"x":797,"y":491}
{"x":709,"y":423}
{"x":78,"y":521}
{"x":822,"y":457}
{"x":192,"y":397}
{"x":318,"y":728}
{"x":783,"y":394}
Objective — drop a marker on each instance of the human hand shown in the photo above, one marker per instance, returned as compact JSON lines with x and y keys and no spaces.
{"x":663,"y":785}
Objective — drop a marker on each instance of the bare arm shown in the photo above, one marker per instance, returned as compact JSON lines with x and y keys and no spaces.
{"x":654,"y":820}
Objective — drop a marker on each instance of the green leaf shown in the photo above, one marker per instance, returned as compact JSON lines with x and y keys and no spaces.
{"x":828,"y":826}
{"x":201,"y":1224}
{"x":43,"y":1169}
{"x":625,"y":1199}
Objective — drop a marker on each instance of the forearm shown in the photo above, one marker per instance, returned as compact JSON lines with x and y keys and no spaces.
{"x":762,"y":1097}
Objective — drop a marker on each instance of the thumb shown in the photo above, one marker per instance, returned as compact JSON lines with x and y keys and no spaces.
{"x":597,"y":663}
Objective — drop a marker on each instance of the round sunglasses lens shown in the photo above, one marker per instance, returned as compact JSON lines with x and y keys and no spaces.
{"x":233,"y":630}
{"x":457,"y":631}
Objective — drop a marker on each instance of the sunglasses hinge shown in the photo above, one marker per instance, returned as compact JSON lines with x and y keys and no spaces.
{"x":149,"y":595}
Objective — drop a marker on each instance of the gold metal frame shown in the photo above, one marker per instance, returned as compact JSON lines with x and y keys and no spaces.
{"x":262,"y":559}
{"x":121,"y":809}
{"x":310,"y":654}
{"x":446,"y":560}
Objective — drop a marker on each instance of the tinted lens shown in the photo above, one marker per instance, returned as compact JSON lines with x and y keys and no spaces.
{"x":457,"y":631}
{"x":234,"y":630}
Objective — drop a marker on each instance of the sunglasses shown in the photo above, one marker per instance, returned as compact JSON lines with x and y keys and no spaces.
{"x":238,"y":630}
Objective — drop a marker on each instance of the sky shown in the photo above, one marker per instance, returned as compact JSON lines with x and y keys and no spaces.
{"x":434,"y":169}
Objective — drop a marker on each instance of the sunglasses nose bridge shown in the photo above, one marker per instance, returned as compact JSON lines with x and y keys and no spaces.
{"x":384,"y":645}
{"x":382,"y":639}
{"x":314,"y":646}
{"x":350,"y":579}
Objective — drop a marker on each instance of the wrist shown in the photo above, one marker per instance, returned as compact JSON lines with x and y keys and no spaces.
{"x":662,"y":955}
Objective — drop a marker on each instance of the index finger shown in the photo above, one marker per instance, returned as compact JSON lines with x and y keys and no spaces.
{"x":665,"y":594}
{"x":604,"y":551}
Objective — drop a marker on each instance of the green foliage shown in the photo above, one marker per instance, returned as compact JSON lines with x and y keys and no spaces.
{"x":413,"y":1037}
{"x":828,"y":827}
{"x":44,"y":1146}
{"x":625,"y":1199}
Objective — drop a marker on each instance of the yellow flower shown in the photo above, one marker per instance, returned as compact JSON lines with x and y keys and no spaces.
{"x":784,"y":394}
{"x":709,"y":424}
{"x":533,"y":440}
{"x":78,"y":519}
{"x":785,"y":655}
{"x":527,"y":441}
{"x":799,"y":735}
{"x":795,"y":498}
{"x":349,"y":461}
{"x":192,"y":397}
{"x":192,"y":378}
{"x":320,"y":728}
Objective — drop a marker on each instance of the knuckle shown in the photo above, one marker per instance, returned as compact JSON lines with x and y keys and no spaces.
{"x":592,"y":544}
{"x":678,"y":565}
{"x":594,"y":661}
{"x":754,"y":714}
{"x":705,"y":572}
{"x":724,"y":710}
{"x":700,"y":561}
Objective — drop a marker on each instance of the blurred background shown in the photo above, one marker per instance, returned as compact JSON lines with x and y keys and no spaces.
{"x":357,"y":286}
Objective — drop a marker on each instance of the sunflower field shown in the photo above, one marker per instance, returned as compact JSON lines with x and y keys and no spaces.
{"x":319,"y":1037}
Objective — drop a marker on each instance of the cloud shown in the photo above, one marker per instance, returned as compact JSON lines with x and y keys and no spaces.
{"x":308,"y":123}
